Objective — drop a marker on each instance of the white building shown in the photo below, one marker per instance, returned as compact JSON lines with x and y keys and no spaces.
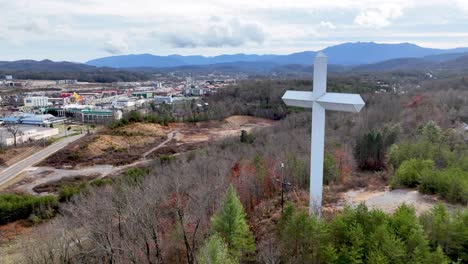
{"x":36,"y":101}
{"x":163,"y":99}
{"x":8,"y":77}
{"x":195,"y":92}
{"x":58,"y":82}
{"x":123,"y":103}
{"x":26,"y":134}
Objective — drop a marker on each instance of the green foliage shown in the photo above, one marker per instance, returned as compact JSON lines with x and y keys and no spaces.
{"x":14,"y":207}
{"x":296,"y":170}
{"x":246,"y":137}
{"x":410,"y":172}
{"x":232,"y":227}
{"x":119,"y":123}
{"x":215,"y":251}
{"x":447,"y":173}
{"x":359,"y":235}
{"x":330,"y":171}
{"x":66,"y":192}
{"x":303,"y":239}
{"x":448,"y":232}
{"x":135,"y":116}
{"x":430,"y":143}
{"x":166,"y":159}
{"x":162,"y":119}
{"x":371,"y":147}
{"x":451,"y":184}
{"x":134,"y":176}
{"x":431,"y":132}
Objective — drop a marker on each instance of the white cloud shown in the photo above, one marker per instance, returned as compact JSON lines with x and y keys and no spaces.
{"x":35,"y":26}
{"x":218,"y":33}
{"x":64,"y":28}
{"x":380,"y":16}
{"x":463,"y":4}
{"x":327,"y":24}
{"x":116,"y":44}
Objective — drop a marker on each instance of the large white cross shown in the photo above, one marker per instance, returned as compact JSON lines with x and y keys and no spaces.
{"x":319,"y":100}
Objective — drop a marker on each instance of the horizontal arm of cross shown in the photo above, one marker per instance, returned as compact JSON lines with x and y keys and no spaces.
{"x":329,"y":101}
{"x":341,"y":102}
{"x":298,"y":98}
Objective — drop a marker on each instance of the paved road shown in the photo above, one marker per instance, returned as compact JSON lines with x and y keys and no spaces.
{"x":17,"y":168}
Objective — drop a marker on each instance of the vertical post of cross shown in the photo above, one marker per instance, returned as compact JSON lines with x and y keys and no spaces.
{"x":317,"y":135}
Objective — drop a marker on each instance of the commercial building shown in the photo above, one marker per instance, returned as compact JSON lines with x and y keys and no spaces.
{"x":32,"y":119}
{"x":58,"y":82}
{"x":100,"y":116}
{"x":143,"y":94}
{"x":59,"y":101}
{"x":195,"y":92}
{"x":36,"y":101}
{"x":163,"y":99}
{"x":25,"y":134}
{"x":123,"y":103}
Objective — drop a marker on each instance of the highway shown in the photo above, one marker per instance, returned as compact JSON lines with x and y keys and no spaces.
{"x":16,"y":169}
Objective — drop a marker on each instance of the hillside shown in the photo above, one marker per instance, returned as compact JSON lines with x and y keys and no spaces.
{"x":445,"y":62}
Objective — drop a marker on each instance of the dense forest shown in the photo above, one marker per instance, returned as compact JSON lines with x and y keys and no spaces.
{"x":220,"y":203}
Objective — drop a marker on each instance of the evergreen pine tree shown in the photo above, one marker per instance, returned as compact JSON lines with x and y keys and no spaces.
{"x":215,"y":251}
{"x":231,"y":225}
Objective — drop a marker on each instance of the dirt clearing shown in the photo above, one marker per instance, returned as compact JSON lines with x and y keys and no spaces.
{"x":126,"y":145}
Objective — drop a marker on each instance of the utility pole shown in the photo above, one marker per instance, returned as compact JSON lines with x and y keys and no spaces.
{"x":283,"y":185}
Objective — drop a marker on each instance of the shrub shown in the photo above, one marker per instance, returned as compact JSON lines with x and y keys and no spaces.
{"x":453,"y":185}
{"x":100,"y":182}
{"x":357,"y":235}
{"x":410,"y":172}
{"x":66,"y":192}
{"x":369,"y":151}
{"x":448,"y":231}
{"x":166,"y":159}
{"x":134,"y":176}
{"x":14,"y":207}
{"x":215,"y":251}
{"x":135,"y":116}
{"x":246,"y":137}
{"x":330,"y":171}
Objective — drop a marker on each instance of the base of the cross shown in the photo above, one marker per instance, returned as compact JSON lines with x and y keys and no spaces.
{"x":315,"y":207}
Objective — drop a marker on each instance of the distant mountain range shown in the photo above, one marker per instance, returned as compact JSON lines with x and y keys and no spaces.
{"x":348,"y":54}
{"x":349,"y":57}
{"x":45,"y":66}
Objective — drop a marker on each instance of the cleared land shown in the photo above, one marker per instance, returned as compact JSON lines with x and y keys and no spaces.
{"x":126,"y":145}
{"x":106,"y":153}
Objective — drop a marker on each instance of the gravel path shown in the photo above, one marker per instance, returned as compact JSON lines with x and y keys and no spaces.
{"x":388,"y":201}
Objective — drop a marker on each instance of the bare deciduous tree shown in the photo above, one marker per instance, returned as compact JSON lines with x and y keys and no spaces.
{"x":15,"y":131}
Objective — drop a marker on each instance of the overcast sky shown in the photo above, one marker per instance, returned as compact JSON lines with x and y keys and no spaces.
{"x":79,"y":30}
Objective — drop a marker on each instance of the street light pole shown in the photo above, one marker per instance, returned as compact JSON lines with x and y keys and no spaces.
{"x":283,"y":185}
